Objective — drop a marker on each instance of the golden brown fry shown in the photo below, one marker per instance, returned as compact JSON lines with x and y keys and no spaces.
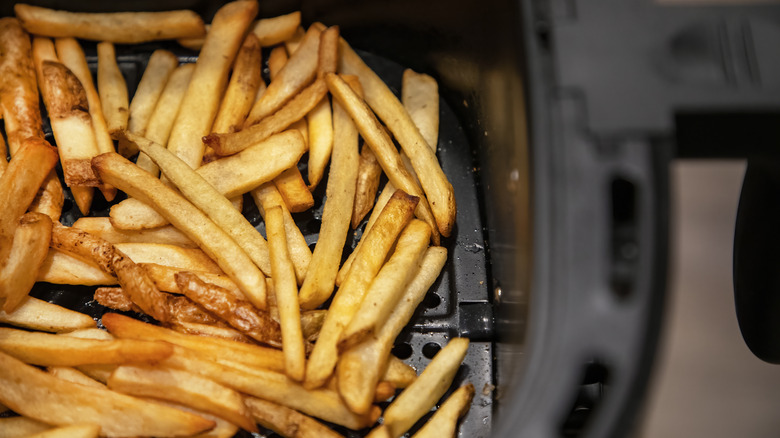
{"x":244,"y":83}
{"x":165,"y":278}
{"x":384,"y":390}
{"x":420,"y":96}
{"x":161,"y":121}
{"x":29,"y":249}
{"x":183,"y":215}
{"x":199,"y":329}
{"x":194,"y":43}
{"x":50,"y":197}
{"x":274,"y":30}
{"x":101,"y":227}
{"x":299,"y":70}
{"x":115,"y":298}
{"x":130,"y":276}
{"x":328,"y":61}
{"x":158,"y":70}
{"x":389,"y":285}
{"x":444,"y":421}
{"x":19,"y":184}
{"x":346,"y":301}
{"x":3,"y":156}
{"x":416,"y":400}
{"x":36,"y":394}
{"x":53,"y":350}
{"x":267,"y":196}
{"x":72,"y":431}
{"x":185,"y":388}
{"x":286,"y":422}
{"x":40,"y":315}
{"x":291,"y":112}
{"x":238,"y":313}
{"x":204,"y":196}
{"x":113,"y":90}
{"x":311,"y":323}
{"x":437,"y":188}
{"x":276,"y":60}
{"x":291,"y":44}
{"x":380,"y":431}
{"x":201,"y":102}
{"x":340,"y":194}
{"x":360,"y":368}
{"x":20,"y":427}
{"x":398,"y":373}
{"x":369,"y":174}
{"x":75,"y":376}
{"x":376,"y":138}
{"x":118,"y":27}
{"x":294,"y":190}
{"x":181,"y":309}
{"x":220,"y":350}
{"x":320,"y":124}
{"x":286,"y":292}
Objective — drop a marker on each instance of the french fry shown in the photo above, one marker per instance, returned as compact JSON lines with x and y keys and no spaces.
{"x":360,"y":367}
{"x":286,"y":291}
{"x":299,"y":70}
{"x":244,"y":83}
{"x":320,"y":124}
{"x":201,"y":101}
{"x":416,"y":400}
{"x":185,"y":388}
{"x":89,"y":333}
{"x":36,"y":394}
{"x":328,"y":56}
{"x":204,"y":196}
{"x":398,"y":373}
{"x":340,"y":194}
{"x":50,"y":197}
{"x":194,"y":43}
{"x":311,"y":323}
{"x":389,"y":285}
{"x":276,"y":60}
{"x":169,"y":255}
{"x":159,"y":69}
{"x":60,"y":267}
{"x":134,"y":181}
{"x":274,"y":30}
{"x":19,"y":184}
{"x":369,"y":173}
{"x":384,"y":390}
{"x":437,"y":188}
{"x":380,"y":431}
{"x":220,"y":350}
{"x":346,"y":301}
{"x":75,"y":376}
{"x":181,"y":309}
{"x":375,"y":136}
{"x":112,"y":89}
{"x":420,"y":97}
{"x":72,"y":431}
{"x":53,"y":350}
{"x":161,"y":121}
{"x":275,"y":387}
{"x":294,"y":110}
{"x":292,"y":187}
{"x":101,"y":227}
{"x":291,"y":44}
{"x":132,"y":214}
{"x":118,"y":27}
{"x":29,"y":249}
{"x":194,"y":328}
{"x":223,"y":429}
{"x":20,"y":427}
{"x":237,"y":312}
{"x":165,"y":278}
{"x":444,"y":422}
{"x":267,"y":196}
{"x":41,"y":315}
{"x":3,"y":155}
{"x":286,"y":422}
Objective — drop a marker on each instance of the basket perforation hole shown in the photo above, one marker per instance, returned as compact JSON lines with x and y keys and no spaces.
{"x":431,"y":300}
{"x":430,"y":349}
{"x":403,"y":351}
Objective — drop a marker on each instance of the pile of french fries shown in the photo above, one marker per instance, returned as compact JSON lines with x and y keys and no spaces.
{"x":242,"y":336}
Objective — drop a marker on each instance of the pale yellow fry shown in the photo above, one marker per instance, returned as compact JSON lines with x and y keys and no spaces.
{"x":53,"y":350}
{"x":161,"y":121}
{"x":223,"y":429}
{"x":101,"y":227}
{"x":346,"y":301}
{"x":112,"y":89}
{"x":41,"y":315}
{"x":117,"y":27}
{"x":292,"y":43}
{"x":72,"y":431}
{"x":60,"y":267}
{"x":437,"y":188}
{"x":444,"y":423}
{"x":267,"y":196}
{"x":132,"y":214}
{"x":242,"y":89}
{"x":201,"y":101}
{"x":417,"y":399}
{"x":274,"y":30}
{"x":169,"y":255}
{"x":136,"y":182}
{"x":420,"y":96}
{"x":286,"y":422}
{"x":389,"y":285}
{"x":299,"y":70}
{"x":36,"y":394}
{"x":340,"y":195}
{"x":182,"y":387}
{"x":164,"y":278}
{"x":220,"y":350}
{"x":380,"y":431}
{"x":20,"y":427}
{"x":360,"y":368}
{"x":320,"y":122}
{"x":89,"y":333}
{"x":28,"y":251}
{"x":75,"y":376}
{"x":376,"y":138}
{"x":204,"y":196}
{"x":286,"y":292}
{"x":159,"y":68}
{"x":194,"y":328}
